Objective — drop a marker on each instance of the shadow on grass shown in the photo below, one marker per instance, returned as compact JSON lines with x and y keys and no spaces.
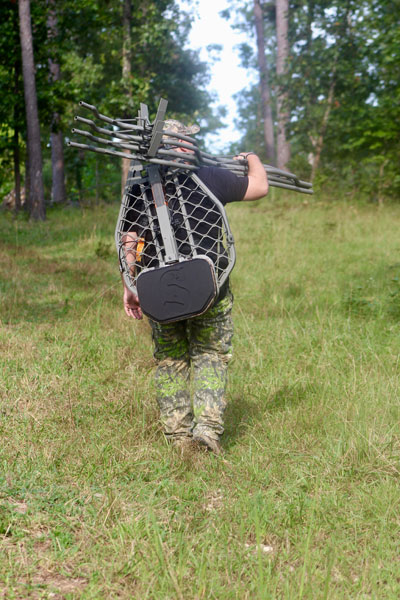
{"x":242,"y":412}
{"x":289,"y":396}
{"x":38,"y":310}
{"x":37,"y":289}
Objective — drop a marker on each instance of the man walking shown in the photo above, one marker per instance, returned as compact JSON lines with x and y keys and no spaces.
{"x":193,"y":354}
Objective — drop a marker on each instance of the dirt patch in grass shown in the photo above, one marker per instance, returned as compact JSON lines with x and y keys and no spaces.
{"x":45,"y":584}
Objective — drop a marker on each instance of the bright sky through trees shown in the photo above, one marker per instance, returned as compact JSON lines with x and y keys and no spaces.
{"x":227,"y":75}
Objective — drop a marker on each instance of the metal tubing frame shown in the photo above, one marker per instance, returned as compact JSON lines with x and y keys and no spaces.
{"x":149,"y":143}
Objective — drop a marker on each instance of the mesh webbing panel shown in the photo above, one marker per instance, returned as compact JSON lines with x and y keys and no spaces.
{"x":197,"y":222}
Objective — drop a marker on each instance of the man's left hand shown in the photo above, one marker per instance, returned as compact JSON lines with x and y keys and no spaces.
{"x":132,"y":305}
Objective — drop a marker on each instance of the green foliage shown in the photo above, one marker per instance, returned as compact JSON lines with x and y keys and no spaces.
{"x":12,"y":111}
{"x":104,"y":249}
{"x":88,"y":48}
{"x":248,"y":103}
{"x":353,"y":48}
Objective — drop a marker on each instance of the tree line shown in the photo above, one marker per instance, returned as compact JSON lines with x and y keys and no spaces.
{"x":112,"y":53}
{"x":327,"y":102}
{"x":326,"y":105}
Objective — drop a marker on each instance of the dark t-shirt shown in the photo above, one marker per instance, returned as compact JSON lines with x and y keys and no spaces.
{"x":200,"y":214}
{"x":224,"y":184}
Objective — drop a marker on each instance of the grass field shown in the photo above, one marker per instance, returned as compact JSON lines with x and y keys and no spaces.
{"x":305,"y":502}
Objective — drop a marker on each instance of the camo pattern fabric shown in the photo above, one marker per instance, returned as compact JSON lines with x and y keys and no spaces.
{"x":192,"y":356}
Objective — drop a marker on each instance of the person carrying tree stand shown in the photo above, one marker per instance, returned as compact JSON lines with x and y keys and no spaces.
{"x":176,"y":252}
{"x":194,"y":352}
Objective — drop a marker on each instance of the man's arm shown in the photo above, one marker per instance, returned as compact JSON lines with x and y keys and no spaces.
{"x":258,"y":180}
{"x":131,"y":303}
{"x":131,"y":300}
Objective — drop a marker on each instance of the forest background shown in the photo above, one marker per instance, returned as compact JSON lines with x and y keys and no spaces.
{"x":327,"y":105}
{"x":304,"y":503}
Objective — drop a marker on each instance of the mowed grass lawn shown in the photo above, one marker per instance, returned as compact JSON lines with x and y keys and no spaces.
{"x":305,"y":502}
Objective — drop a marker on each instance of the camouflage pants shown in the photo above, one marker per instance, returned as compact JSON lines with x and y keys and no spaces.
{"x":193,"y":355}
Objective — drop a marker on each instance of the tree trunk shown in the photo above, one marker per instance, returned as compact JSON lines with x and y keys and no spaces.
{"x":36,"y":190}
{"x":126,"y":73}
{"x":126,"y":42}
{"x":319,"y":141}
{"x":310,"y":21}
{"x":17,"y":170}
{"x":58,"y":192}
{"x":16,"y":153}
{"x":97,"y":180}
{"x":27,"y":184}
{"x":16,"y":149}
{"x":282,"y":21}
{"x":381,"y":182}
{"x":264,"y":83}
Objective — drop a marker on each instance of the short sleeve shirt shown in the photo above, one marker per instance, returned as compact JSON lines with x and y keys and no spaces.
{"x":224,"y":184}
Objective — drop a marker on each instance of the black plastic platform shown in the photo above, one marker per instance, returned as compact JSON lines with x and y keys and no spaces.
{"x":179,"y":291}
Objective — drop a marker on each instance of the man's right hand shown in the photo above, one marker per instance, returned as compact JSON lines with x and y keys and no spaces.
{"x":132,"y":305}
{"x":257,"y":176}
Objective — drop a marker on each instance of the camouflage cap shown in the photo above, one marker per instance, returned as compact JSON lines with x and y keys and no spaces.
{"x":175,"y":126}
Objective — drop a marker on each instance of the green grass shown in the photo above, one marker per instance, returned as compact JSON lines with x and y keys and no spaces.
{"x":305,"y":502}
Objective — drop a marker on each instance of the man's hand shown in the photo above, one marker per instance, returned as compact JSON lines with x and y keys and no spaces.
{"x":258,"y":180}
{"x":131,"y":304}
